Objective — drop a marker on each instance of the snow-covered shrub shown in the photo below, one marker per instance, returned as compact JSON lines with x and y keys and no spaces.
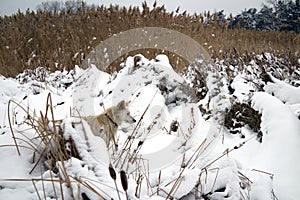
{"x":240,"y":115}
{"x":40,"y":79}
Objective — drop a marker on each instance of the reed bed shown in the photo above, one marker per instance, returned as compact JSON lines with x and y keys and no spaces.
{"x":61,"y":40}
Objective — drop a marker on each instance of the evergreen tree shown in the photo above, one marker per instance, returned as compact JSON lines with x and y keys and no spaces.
{"x":266,"y":19}
{"x":281,"y":16}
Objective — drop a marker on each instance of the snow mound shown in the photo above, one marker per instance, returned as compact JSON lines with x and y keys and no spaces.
{"x":283,"y":91}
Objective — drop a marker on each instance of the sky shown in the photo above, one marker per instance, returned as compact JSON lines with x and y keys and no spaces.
{"x":8,"y":7}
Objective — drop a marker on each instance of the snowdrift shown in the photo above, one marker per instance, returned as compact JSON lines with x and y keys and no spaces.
{"x":174,"y":150}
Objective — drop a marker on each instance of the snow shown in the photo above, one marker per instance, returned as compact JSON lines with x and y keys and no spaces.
{"x":281,"y":141}
{"x":283,"y":91}
{"x":242,"y":88}
{"x":198,"y":159}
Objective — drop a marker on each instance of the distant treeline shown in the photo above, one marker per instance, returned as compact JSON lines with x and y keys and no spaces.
{"x":60,"y":35}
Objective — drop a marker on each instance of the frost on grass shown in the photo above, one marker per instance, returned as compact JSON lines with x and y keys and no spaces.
{"x":174,"y":150}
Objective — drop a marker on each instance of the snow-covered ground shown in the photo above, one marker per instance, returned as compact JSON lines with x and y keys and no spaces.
{"x":176,"y":151}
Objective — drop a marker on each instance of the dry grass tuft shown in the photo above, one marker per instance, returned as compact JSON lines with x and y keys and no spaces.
{"x":49,"y":150}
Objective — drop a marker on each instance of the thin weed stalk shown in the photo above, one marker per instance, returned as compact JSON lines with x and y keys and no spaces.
{"x":10,"y":125}
{"x":36,"y":190}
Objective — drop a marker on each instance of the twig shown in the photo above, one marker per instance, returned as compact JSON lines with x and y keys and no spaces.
{"x":257,"y":170}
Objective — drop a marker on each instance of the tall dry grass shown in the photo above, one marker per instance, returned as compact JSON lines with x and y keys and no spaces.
{"x":61,"y":40}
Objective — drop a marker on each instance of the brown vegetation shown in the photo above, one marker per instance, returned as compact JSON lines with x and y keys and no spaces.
{"x":61,"y":40}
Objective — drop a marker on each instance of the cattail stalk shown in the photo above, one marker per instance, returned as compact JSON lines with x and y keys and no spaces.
{"x":124,"y":182}
{"x":113,"y":175}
